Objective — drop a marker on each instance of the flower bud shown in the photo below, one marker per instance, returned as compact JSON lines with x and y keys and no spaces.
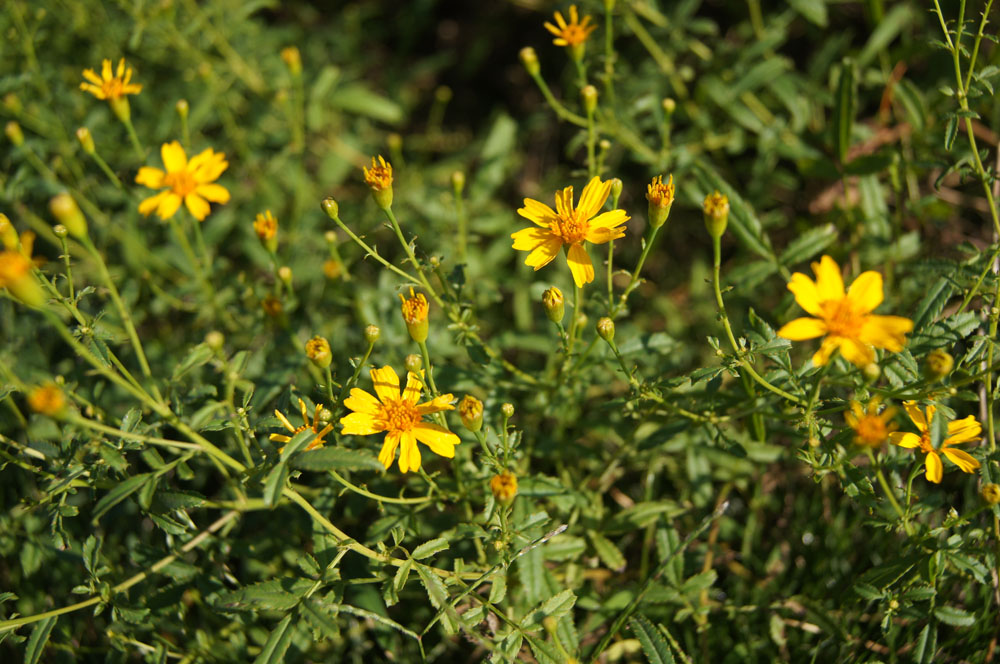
{"x":14,"y":133}
{"x":414,"y":310}
{"x":182,"y":108}
{"x":716,"y":209}
{"x":15,"y":272}
{"x":504,"y":487}
{"x":379,"y":180}
{"x":266,"y":228}
{"x":60,"y":231}
{"x":938,"y":364}
{"x":293,"y":59}
{"x":661,"y":198}
{"x":12,"y":103}
{"x":458,"y":182}
{"x":47,"y":400}
{"x":669,"y":106}
{"x":332,"y":269}
{"x":443,"y":94}
{"x":372,"y":333}
{"x":551,"y":624}
{"x":871,"y":371}
{"x":86,"y":140}
{"x":552,"y":300}
{"x":991,"y":493}
{"x":272,"y":306}
{"x":394,"y":141}
{"x":215,"y":340}
{"x":470,"y":409}
{"x":66,"y":211}
{"x":616,"y":187}
{"x":589,"y":96}
{"x":413,"y":363}
{"x":318,"y":352}
{"x":606,"y":329}
{"x":507,"y":410}
{"x":330,"y":207}
{"x":530,"y":60}
{"x":285,"y":274}
{"x":121,"y":109}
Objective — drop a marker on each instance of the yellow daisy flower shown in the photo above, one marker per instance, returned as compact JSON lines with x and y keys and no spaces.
{"x":187,"y":181}
{"x":16,"y":264}
{"x":960,"y":431}
{"x":845,"y":319}
{"x":871,"y":427}
{"x":320,"y":432}
{"x":108,"y":86}
{"x":572,"y":33}
{"x":569,"y":227}
{"x":400,"y":417}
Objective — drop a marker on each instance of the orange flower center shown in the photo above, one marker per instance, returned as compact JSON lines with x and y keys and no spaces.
{"x":872,"y":430}
{"x":113,"y":88}
{"x":841,"y":318}
{"x":574,"y":34}
{"x":400,"y":415}
{"x":13,"y":266}
{"x":925,"y":442}
{"x":180,"y":182}
{"x":572,"y":229}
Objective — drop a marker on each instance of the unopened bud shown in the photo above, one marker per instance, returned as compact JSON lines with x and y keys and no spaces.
{"x":318,"y":352}
{"x":372,"y":333}
{"x":504,"y":488}
{"x":661,"y":198}
{"x":332,"y":269}
{"x":530,"y":60}
{"x":606,"y":329}
{"x":415,"y":309}
{"x":285,"y":274}
{"x":413,"y":363}
{"x":330,"y":207}
{"x":60,"y":231}
{"x":266,"y":228}
{"x":616,"y":187}
{"x":215,"y":340}
{"x":716,"y":208}
{"x":508,"y":410}
{"x":293,"y":59}
{"x":67,"y":212}
{"x":86,"y":140}
{"x":182,"y":108}
{"x":872,"y":371}
{"x":443,"y":94}
{"x":938,"y":364}
{"x":669,"y":106}
{"x":589,"y":96}
{"x":14,"y":133}
{"x":470,"y":409}
{"x":991,"y":493}
{"x":458,"y":182}
{"x":552,"y":300}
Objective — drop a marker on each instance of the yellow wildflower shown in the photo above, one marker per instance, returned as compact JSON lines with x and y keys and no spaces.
{"x":16,"y":264}
{"x":660,"y":197}
{"x":315,"y":426}
{"x":415,"y":310}
{"x":504,"y":487}
{"x":400,"y":417}
{"x":845,"y":319}
{"x":569,"y":227}
{"x":318,"y":352}
{"x":265,"y":226}
{"x":47,"y":399}
{"x":108,"y":86}
{"x":871,"y":427}
{"x":572,"y":33}
{"x":960,"y":431}
{"x":470,"y":409}
{"x":187,"y":181}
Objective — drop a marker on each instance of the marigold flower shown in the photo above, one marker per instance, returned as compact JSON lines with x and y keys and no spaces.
{"x":716,"y":209}
{"x":314,"y":425}
{"x":470,"y":409}
{"x":552,"y":300}
{"x":871,"y":427}
{"x":573,"y":33}
{"x":660,"y":197}
{"x":960,"y":431}
{"x":318,"y":352}
{"x":415,"y":310}
{"x":845,"y":319}
{"x":504,"y":487}
{"x":569,"y":227}
{"x":187,"y":181}
{"x":990,"y":493}
{"x":400,"y":416}
{"x":379,"y":180}
{"x":293,"y":59}
{"x":15,"y":267}
{"x":108,"y":86}
{"x":266,"y":228}
{"x":47,"y":399}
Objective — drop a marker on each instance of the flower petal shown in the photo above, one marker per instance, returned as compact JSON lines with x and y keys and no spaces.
{"x":934,"y":470}
{"x":174,"y":158}
{"x":916,"y":413}
{"x":829,"y":283}
{"x":963,"y":431}
{"x":962,"y":459}
{"x":106,"y":70}
{"x":92,"y":76}
{"x":564,"y":202}
{"x":544,"y":254}
{"x":362,"y":402}
{"x":865,"y":293}
{"x":580,"y":265}
{"x":441,"y":441}
{"x":904,"y":439}
{"x":389,"y":446}
{"x":887,"y":332}
{"x":150,"y":177}
{"x":213,"y":192}
{"x":593,"y":197}
{"x":197,"y":206}
{"x":386,"y":384}
{"x":537,"y":212}
{"x":409,"y":453}
{"x":530,"y":238}
{"x":801,"y":329}
{"x":414,"y":384}
{"x":168,"y":206}
{"x":437,"y":404}
{"x":609,"y":219}
{"x":147,"y":206}
{"x":806,"y":293}
{"x":826,"y":349}
{"x":359,"y":424}
{"x":856,"y":352}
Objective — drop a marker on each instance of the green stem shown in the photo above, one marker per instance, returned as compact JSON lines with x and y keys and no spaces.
{"x":107,"y":170}
{"x":374,"y":254}
{"x":374,"y":496}
{"x":609,"y":55}
{"x":412,"y":257}
{"x":136,"y":143}
{"x":633,"y":282}
{"x":427,"y":367}
{"x":888,"y":491}
{"x":354,"y":377}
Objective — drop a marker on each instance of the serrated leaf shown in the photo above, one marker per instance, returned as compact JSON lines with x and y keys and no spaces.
{"x":954,"y":616}
{"x":653,"y":644}
{"x":438,"y":595}
{"x":607,"y":551}
{"x":498,"y":587}
{"x":196,"y":357}
{"x":642,"y":514}
{"x":428,"y":549}
{"x":556,"y":606}
{"x":923,"y":653}
{"x":266,"y":595}
{"x":334,"y":458}
{"x":319,"y":618}
{"x":119,"y":493}
{"x":699,"y":582}
{"x":38,"y":639}
{"x":933,"y":302}
{"x":808,"y":244}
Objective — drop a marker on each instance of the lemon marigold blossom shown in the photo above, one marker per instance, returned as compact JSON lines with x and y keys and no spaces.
{"x":570,"y":227}
{"x":845,"y":319}
{"x":186,"y":181}
{"x":960,"y":431}
{"x":110,"y":86}
{"x":400,"y":416}
{"x":871,"y":427}
{"x":316,"y":442}
{"x":572,"y":33}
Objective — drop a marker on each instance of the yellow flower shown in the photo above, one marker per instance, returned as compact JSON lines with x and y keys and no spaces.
{"x":400,"y":417}
{"x":318,"y":352}
{"x":187,"y":181}
{"x":15,"y":266}
{"x":871,"y":427}
{"x":845,"y":319}
{"x":320,"y":432}
{"x":265,"y":226}
{"x":660,"y":197}
{"x":504,"y":487}
{"x":573,"y":33}
{"x":47,"y":399}
{"x":108,"y":86}
{"x":379,"y":176}
{"x":960,"y":431}
{"x":569,"y":227}
{"x":414,"y":309}
{"x":470,"y":409}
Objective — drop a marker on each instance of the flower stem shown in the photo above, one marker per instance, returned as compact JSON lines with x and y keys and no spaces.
{"x":888,"y":491}
{"x":412,"y":257}
{"x":633,"y":282}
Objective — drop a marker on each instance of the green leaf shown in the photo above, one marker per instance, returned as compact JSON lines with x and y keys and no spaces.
{"x":641,"y":515}
{"x":888,"y":29}
{"x":120,"y":493}
{"x":653,"y":644}
{"x":319,"y":618}
{"x":334,"y":458}
{"x":266,"y":595}
{"x":277,"y":643}
{"x":428,"y":549}
{"x":808,"y":244}
{"x":196,"y":357}
{"x":933,"y":302}
{"x":950,"y":132}
{"x":38,"y":639}
{"x":607,"y":551}
{"x":356,"y":98}
{"x":954,"y":616}
{"x":556,"y":606}
{"x":923,"y":653}
{"x":699,"y":582}
{"x":843,"y":111}
{"x":438,"y":595}
{"x":275,"y":483}
{"x":813,"y":11}
{"x":298,"y":443}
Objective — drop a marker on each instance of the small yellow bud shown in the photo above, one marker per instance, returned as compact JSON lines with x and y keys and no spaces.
{"x":413,"y":363}
{"x":182,"y":108}
{"x":66,"y":211}
{"x":330,"y":237}
{"x":530,"y":60}
{"x":15,"y":272}
{"x":415,"y":310}
{"x":470,"y":409}
{"x":372,"y":333}
{"x":293,"y":59}
{"x":661,"y":198}
{"x":508,"y":410}
{"x":552,"y":300}
{"x":332,"y":269}
{"x":285,"y":274}
{"x":14,"y":133}
{"x":550,"y":624}
{"x":394,"y":141}
{"x":330,"y":207}
{"x":589,"y":96}
{"x":669,"y":106}
{"x":318,"y":352}
{"x":504,"y":487}
{"x":12,"y":103}
{"x":716,"y":209}
{"x":215,"y":340}
{"x":991,"y":493}
{"x":266,"y":228}
{"x":458,"y":182}
{"x":272,"y":306}
{"x":379,"y":180}
{"x":871,"y":371}
{"x":606,"y":329}
{"x":616,"y":185}
{"x":47,"y":400}
{"x":938,"y":364}
{"x":86,"y":140}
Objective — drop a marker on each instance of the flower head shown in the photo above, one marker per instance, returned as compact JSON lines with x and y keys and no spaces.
{"x":960,"y":431}
{"x":871,"y":427}
{"x":716,"y":209}
{"x":47,"y":399}
{"x":573,"y":33}
{"x":314,"y":425}
{"x":379,"y":180}
{"x":184,"y":181}
{"x":552,"y":300}
{"x":16,"y":264}
{"x":401,"y":417}
{"x":293,"y":59}
{"x":660,"y":197}
{"x":318,"y":352}
{"x":845,"y":319}
{"x":415,"y":310}
{"x":470,"y":409}
{"x":504,"y":487}
{"x":108,"y":86}
{"x":266,"y":228}
{"x":570,"y":227}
